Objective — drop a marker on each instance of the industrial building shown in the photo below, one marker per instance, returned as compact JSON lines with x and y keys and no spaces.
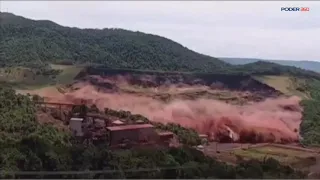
{"x":133,"y":134}
{"x":97,"y":128}
{"x":118,"y":133}
{"x":76,"y":126}
{"x":165,"y":137}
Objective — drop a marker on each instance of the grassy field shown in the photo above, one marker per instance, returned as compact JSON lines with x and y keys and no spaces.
{"x":22,"y":78}
{"x":69,"y":72}
{"x":285,"y":84}
{"x":253,"y":154}
{"x":42,"y":91}
{"x":283,"y":152}
{"x":296,"y":158}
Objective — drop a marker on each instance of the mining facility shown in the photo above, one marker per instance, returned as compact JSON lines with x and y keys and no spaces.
{"x":95,"y":127}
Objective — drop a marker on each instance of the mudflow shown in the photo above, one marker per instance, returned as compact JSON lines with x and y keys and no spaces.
{"x":273,"y":120}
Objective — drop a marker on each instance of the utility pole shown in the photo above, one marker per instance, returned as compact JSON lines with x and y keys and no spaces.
{"x":60,"y":108}
{"x":216,"y":147}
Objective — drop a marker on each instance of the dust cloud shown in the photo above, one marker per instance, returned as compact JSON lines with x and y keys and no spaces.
{"x":273,"y":120}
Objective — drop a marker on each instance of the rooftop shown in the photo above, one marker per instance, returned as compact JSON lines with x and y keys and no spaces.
{"x":76,"y":119}
{"x":165,"y":133}
{"x":99,"y":116}
{"x":139,"y":122}
{"x":203,"y":136}
{"x":118,"y":122}
{"x":129,"y":127}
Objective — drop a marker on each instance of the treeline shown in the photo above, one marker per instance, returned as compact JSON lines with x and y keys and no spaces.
{"x":310,"y":127}
{"x":29,"y":150}
{"x":26,"y":42}
{"x":269,"y":68}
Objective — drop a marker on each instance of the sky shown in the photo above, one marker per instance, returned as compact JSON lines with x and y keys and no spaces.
{"x":247,"y":29}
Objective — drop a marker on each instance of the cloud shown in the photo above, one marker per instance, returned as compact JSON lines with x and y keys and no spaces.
{"x":228,"y":29}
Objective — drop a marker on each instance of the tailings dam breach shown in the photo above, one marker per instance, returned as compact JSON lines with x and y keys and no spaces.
{"x":275,"y":119}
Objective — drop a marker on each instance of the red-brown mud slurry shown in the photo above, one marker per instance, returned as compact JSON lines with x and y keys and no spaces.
{"x":273,"y":120}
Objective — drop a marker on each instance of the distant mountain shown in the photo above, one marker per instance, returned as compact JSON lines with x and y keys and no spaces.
{"x":308,"y":65}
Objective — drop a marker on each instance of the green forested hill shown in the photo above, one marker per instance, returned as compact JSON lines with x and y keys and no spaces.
{"x":26,"y":42}
{"x":35,"y":42}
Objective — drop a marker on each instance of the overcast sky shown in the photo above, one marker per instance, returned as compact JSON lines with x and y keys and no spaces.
{"x":220,"y":29}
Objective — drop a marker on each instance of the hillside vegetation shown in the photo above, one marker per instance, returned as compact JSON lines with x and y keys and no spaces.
{"x":25,"y":77}
{"x":31,"y":78}
{"x":268,"y":68}
{"x":287,"y":85}
{"x":31,"y":43}
{"x":308,"y":65}
{"x":310,"y":127}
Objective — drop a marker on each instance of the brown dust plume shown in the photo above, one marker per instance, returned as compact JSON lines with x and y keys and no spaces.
{"x":273,"y":120}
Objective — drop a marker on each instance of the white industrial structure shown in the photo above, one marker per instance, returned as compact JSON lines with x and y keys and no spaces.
{"x":76,"y":126}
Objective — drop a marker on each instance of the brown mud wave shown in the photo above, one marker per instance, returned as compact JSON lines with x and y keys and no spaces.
{"x":273,"y":120}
